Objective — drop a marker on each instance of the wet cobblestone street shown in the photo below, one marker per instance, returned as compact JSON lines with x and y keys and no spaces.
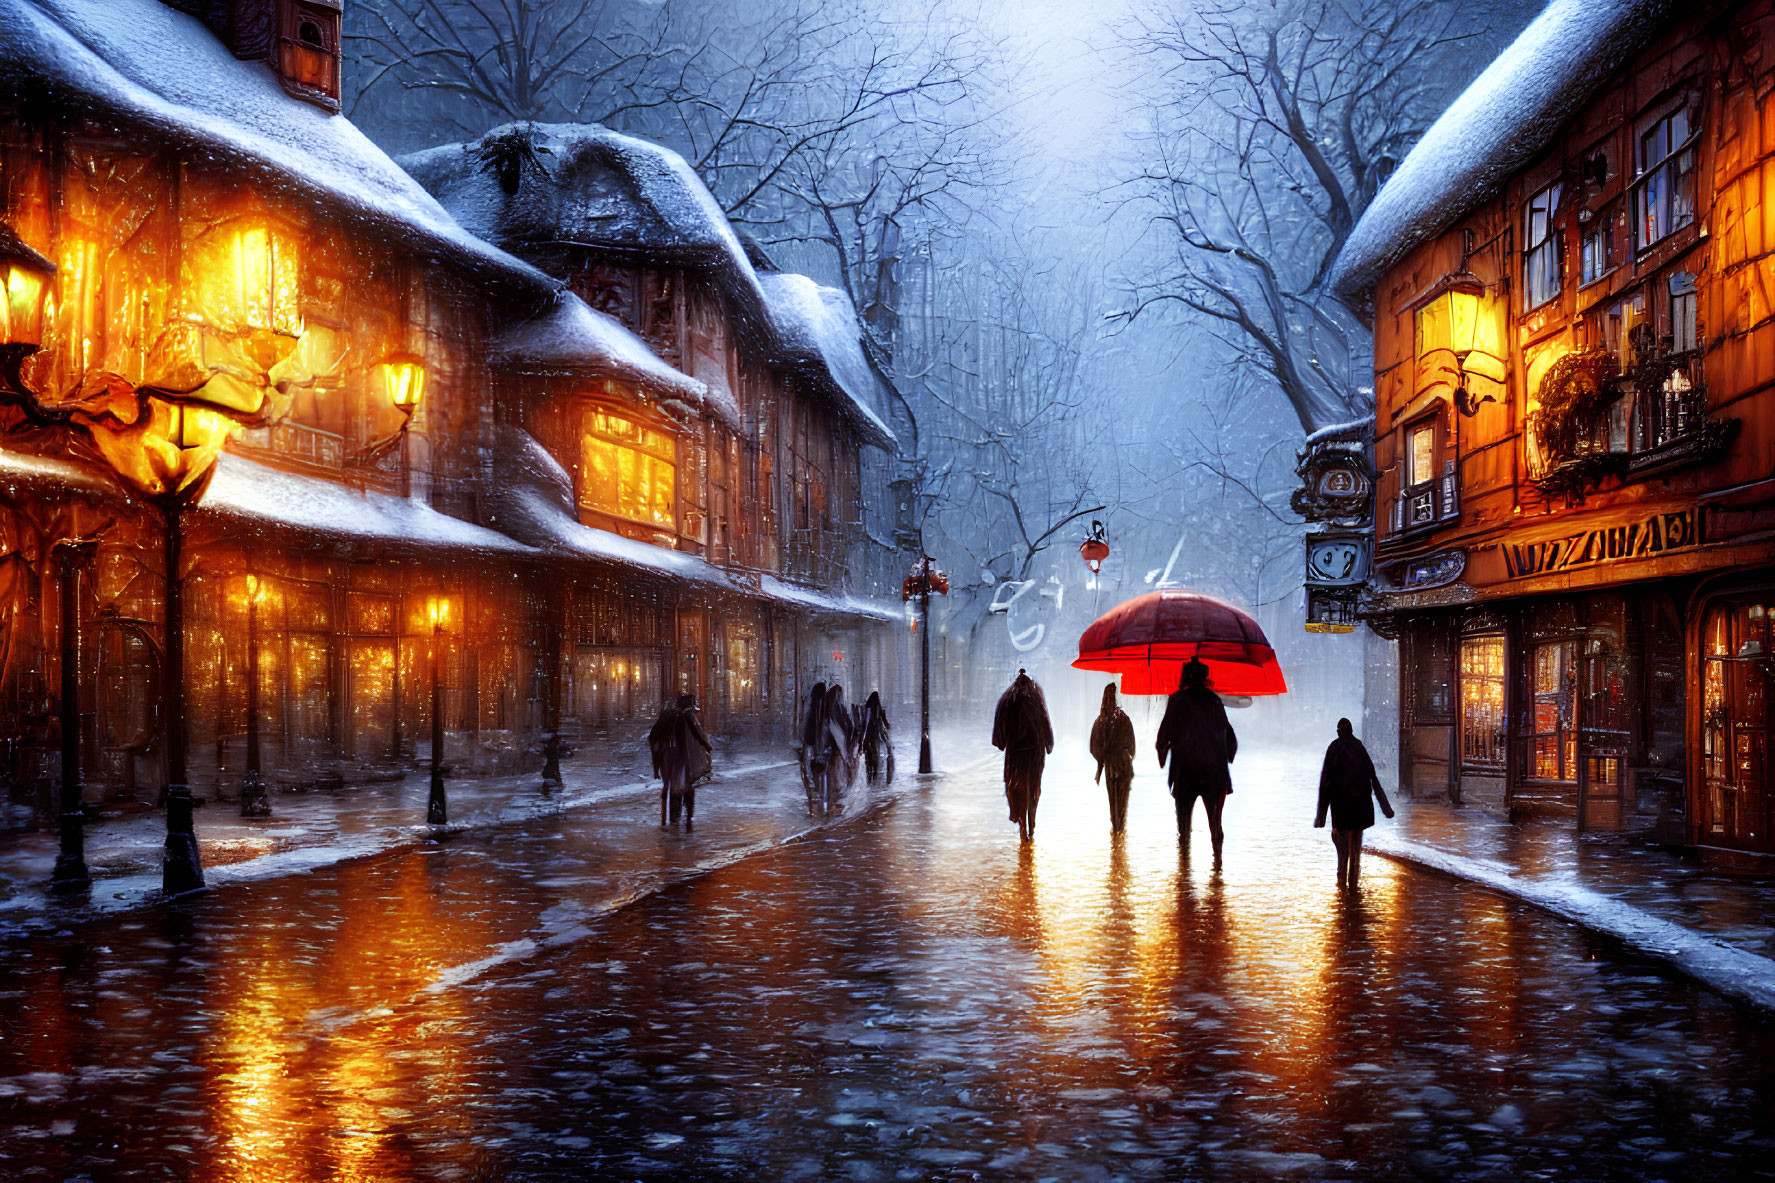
{"x":907,"y":995}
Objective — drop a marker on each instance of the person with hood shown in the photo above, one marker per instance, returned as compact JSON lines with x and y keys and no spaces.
{"x":1112,"y":746}
{"x":1346,"y":781}
{"x":878,"y":752}
{"x":1200,"y":743}
{"x":1020,"y":729}
{"x":842,"y":742}
{"x":680,"y":758}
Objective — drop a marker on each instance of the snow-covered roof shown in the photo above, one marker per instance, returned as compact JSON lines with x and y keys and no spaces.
{"x":587,"y":185}
{"x":569,"y":336}
{"x":243,"y":488}
{"x":842,"y":605}
{"x":145,"y":64}
{"x":819,"y":325}
{"x":1495,"y":127}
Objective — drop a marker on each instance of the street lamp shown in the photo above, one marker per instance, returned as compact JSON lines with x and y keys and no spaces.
{"x":254,"y":802}
{"x":26,"y":275}
{"x":436,"y":809}
{"x":924,"y":580}
{"x":1095,"y":548}
{"x":70,"y":875}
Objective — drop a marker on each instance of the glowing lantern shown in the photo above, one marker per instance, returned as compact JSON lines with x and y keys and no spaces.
{"x":403,"y":379}
{"x":26,"y":274}
{"x":167,"y":452}
{"x":1462,"y":320}
{"x":437,"y":610}
{"x":1095,"y":548}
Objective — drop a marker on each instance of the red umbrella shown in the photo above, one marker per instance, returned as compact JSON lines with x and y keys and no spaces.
{"x":1149,"y":639}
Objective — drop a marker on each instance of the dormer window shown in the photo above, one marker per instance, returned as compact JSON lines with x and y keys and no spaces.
{"x":306,"y":55}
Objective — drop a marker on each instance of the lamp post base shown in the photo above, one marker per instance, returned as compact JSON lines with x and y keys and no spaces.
{"x":437,"y":810}
{"x":551,"y":763}
{"x":70,"y":876}
{"x":181,"y":869}
{"x":254,"y":801}
{"x":924,"y":755}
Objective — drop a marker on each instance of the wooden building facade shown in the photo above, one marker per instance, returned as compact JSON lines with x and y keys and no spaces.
{"x":575,"y":520}
{"x":1575,"y":428}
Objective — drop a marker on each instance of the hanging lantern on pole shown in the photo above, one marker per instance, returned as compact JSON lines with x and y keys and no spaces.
{"x":1095,"y":548}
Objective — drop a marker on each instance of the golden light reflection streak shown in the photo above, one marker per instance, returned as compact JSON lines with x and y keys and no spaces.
{"x":257,"y":1105}
{"x":1095,"y":908}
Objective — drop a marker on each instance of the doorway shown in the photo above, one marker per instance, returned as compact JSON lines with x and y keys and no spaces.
{"x":1735,"y":670}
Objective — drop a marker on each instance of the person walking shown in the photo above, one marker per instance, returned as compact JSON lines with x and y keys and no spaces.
{"x":680,"y":758}
{"x":1020,"y":729}
{"x":878,"y":752}
{"x":1200,"y":744}
{"x":1112,"y":746}
{"x":1348,"y":787}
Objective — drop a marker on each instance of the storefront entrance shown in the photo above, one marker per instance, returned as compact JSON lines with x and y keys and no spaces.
{"x":1733,"y":810}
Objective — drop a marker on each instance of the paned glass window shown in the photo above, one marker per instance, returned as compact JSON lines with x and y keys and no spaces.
{"x":630,"y":470}
{"x":1665,"y":197}
{"x":1540,"y":257}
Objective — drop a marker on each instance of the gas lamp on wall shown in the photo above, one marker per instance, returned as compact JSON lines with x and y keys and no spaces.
{"x":401,"y":377}
{"x":1463,"y":320}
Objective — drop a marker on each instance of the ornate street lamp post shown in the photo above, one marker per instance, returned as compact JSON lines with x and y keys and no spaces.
{"x":924,"y":580}
{"x":254,"y":802}
{"x":403,"y":379}
{"x":436,"y":808}
{"x":70,"y":875}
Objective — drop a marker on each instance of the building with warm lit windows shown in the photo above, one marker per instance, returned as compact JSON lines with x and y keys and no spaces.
{"x":388,"y":449}
{"x":775,"y":473}
{"x":1575,"y":426}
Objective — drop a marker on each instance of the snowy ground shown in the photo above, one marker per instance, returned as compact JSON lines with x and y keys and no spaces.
{"x":907,"y":994}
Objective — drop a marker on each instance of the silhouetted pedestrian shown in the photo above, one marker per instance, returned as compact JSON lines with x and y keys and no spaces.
{"x":1112,"y":745}
{"x":1348,"y":787}
{"x":878,"y":751}
{"x":1200,"y":744}
{"x":1020,"y":729}
{"x":680,"y":758}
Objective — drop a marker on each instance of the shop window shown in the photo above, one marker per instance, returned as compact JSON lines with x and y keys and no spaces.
{"x":1664,"y":194}
{"x":1737,"y":662}
{"x":1482,"y":702}
{"x":629,"y":470}
{"x":1540,"y":256}
{"x":1552,"y":735}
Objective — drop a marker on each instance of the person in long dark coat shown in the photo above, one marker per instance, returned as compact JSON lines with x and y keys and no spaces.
{"x":842,"y":741}
{"x":1200,"y":744}
{"x":1112,"y":745}
{"x":1020,"y":729}
{"x":1349,"y":787}
{"x":811,"y":749}
{"x":680,"y":758}
{"x":877,"y":746}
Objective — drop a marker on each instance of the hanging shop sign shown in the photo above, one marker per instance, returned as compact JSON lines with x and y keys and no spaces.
{"x":1330,"y":611}
{"x":1337,"y":559}
{"x":1645,"y":537}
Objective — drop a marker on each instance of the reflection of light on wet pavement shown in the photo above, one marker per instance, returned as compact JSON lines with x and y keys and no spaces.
{"x":911,"y":996}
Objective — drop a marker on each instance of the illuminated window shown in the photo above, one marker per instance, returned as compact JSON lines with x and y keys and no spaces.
{"x":244,"y":278}
{"x":1423,"y":453}
{"x":630,"y":470}
{"x":1540,"y":256}
{"x":1664,"y":195}
{"x":1482,"y":701}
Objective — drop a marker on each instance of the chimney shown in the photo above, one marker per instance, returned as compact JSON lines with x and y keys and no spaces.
{"x":298,"y":39}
